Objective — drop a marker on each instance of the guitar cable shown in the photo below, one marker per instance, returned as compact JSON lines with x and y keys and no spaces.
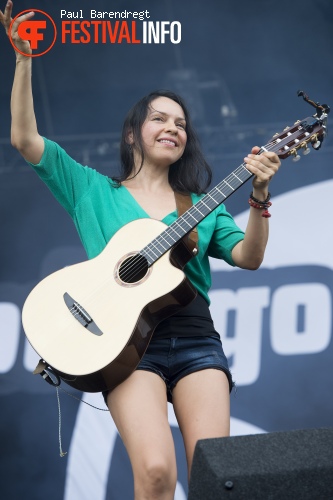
{"x":57,"y":387}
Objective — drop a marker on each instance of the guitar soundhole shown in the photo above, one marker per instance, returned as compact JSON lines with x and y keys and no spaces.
{"x":133,"y":269}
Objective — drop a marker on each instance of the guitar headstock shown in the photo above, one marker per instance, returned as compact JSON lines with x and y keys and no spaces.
{"x":310,"y":131}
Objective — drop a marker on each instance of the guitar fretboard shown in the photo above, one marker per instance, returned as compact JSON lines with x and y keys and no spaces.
{"x":191,"y":218}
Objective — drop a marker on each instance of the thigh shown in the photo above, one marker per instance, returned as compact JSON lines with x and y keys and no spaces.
{"x":138,"y":407}
{"x":202,"y":406}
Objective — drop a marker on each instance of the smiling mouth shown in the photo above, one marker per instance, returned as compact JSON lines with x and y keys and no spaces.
{"x":167,"y":141}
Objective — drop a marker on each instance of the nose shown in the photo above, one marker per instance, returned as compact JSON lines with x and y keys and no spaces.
{"x":170,"y":126}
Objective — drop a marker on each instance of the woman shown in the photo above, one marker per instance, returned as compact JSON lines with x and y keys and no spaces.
{"x":184,"y":362}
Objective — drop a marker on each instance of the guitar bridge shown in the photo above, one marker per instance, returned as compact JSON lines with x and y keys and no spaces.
{"x":81,"y":315}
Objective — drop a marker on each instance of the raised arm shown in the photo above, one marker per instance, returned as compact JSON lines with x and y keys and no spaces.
{"x":249,"y":253}
{"x":24,"y":134}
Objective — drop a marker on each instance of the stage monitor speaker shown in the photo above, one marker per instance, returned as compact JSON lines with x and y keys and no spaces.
{"x":295,"y":465}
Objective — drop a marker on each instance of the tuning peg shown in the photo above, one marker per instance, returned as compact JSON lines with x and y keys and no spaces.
{"x":305,"y":148}
{"x":316,"y":145}
{"x":295,"y":155}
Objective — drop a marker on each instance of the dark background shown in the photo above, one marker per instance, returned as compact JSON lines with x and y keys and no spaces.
{"x":239,"y":66}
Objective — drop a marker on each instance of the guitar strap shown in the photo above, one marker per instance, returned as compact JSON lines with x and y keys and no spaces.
{"x":183,"y":203}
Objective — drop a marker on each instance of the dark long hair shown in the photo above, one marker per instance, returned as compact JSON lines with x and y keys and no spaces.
{"x":191,"y":173}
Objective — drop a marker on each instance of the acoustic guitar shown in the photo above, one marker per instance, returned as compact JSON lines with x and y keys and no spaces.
{"x":92,"y":322}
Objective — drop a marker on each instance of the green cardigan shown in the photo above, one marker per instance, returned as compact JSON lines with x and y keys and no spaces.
{"x":99,"y":208}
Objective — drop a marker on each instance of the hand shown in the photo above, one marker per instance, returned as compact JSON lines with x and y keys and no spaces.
{"x":6,"y":19}
{"x":263,"y":166}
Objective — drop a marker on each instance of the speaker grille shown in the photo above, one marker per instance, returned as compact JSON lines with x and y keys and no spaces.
{"x":295,"y":465}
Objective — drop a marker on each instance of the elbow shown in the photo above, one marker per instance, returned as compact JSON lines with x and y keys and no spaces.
{"x":252,"y":264}
{"x":13,"y":141}
{"x":245,"y":259}
{"x":20,"y":143}
{"x":253,"y":267}
{"x":16,"y":142}
{"x":20,"y":138}
{"x":19,"y":147}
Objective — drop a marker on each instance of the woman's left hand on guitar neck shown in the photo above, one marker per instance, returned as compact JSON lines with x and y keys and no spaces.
{"x":249,"y":253}
{"x":264,"y":167}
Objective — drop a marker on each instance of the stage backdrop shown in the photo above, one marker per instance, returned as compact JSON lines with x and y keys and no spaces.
{"x":239,"y":65}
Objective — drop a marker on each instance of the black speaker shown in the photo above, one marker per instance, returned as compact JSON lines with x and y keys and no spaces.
{"x":295,"y":465}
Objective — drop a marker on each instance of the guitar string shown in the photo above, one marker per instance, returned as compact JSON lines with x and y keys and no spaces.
{"x":137,"y":268}
{"x":135,"y":265}
{"x":173,"y":234}
{"x":130,"y":270}
{"x":133,"y":269}
{"x":138,"y":262}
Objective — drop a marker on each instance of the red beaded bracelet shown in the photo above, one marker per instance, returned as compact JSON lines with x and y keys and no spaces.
{"x":262,"y":205}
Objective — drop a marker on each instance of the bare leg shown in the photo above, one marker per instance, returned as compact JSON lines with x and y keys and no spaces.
{"x":139,"y":409}
{"x":202,"y":406}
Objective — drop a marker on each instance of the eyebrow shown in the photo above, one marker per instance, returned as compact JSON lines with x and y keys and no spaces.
{"x":166,"y":114}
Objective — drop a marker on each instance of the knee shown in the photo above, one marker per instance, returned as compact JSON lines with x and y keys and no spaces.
{"x":157,"y":480}
{"x":160,"y":477}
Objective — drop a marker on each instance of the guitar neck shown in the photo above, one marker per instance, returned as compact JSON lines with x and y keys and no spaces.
{"x":311,"y":130}
{"x":191,"y":218}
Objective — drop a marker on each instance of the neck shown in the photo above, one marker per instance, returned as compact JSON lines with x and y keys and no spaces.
{"x":149,"y":179}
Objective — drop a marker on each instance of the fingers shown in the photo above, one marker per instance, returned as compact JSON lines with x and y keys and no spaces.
{"x":263,"y":166}
{"x":255,"y":150}
{"x":20,"y":20}
{"x":5,"y":17}
{"x":20,"y":45}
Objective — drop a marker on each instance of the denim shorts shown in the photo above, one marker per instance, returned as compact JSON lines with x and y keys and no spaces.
{"x":174,"y":358}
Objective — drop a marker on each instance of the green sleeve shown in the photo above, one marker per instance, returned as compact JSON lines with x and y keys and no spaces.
{"x":225,"y":236}
{"x":68,"y":180}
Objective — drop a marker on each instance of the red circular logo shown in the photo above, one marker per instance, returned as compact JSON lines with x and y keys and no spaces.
{"x":33,"y":31}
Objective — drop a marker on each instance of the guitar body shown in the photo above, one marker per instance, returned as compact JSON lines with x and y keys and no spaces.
{"x":124,"y":314}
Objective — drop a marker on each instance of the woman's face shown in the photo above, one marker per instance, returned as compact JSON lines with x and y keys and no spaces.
{"x":164,"y":132}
